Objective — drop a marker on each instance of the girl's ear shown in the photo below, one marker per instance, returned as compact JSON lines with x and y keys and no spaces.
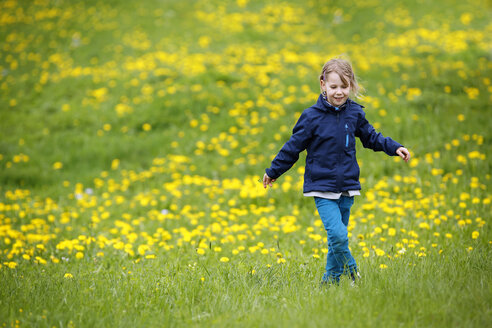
{"x":321,"y":84}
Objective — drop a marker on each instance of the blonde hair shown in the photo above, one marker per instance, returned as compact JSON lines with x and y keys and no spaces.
{"x":344,"y":69}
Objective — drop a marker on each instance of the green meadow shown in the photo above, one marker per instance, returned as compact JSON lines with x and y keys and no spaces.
{"x":133,"y":136}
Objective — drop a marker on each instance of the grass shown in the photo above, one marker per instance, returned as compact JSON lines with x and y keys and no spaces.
{"x":133,"y":135}
{"x":442,"y":292}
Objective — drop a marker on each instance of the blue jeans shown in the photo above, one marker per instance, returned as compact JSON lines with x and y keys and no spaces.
{"x":335,"y":215}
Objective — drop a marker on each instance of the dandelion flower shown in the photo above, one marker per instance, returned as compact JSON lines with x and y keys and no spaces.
{"x":379,"y":252}
{"x":115,"y":163}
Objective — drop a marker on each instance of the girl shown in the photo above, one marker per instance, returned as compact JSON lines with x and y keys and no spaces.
{"x":327,"y":130}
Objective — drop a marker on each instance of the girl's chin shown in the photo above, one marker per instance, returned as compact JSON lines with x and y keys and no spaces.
{"x":338,"y":102}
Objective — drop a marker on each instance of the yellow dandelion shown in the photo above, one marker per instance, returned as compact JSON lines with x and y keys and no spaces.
{"x":472,"y":93}
{"x":57,"y":165}
{"x":194,"y":123}
{"x":115,"y":163}
{"x":68,"y":276}
{"x":79,"y":255}
{"x":383,"y":266}
{"x":475,"y":234}
{"x":466,"y":18}
{"x":224,"y":259}
{"x":379,"y":252}
{"x":424,"y":225}
{"x":204,"y":41}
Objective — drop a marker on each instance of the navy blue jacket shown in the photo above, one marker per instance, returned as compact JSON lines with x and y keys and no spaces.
{"x":328,"y":134}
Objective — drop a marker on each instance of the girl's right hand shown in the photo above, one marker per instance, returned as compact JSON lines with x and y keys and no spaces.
{"x":268,"y":181}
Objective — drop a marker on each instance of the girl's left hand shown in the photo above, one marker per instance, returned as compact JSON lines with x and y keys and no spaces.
{"x":267,"y":181}
{"x":403,"y":153}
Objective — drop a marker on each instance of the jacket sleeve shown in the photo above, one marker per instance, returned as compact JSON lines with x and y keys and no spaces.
{"x":375,"y":140}
{"x":289,"y":154}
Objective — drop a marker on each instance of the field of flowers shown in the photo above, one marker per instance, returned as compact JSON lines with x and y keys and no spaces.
{"x":133,"y":136}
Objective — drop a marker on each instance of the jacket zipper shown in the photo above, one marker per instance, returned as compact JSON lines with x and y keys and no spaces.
{"x":339,"y":173}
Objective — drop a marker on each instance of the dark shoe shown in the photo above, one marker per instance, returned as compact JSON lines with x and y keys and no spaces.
{"x":355,"y":276}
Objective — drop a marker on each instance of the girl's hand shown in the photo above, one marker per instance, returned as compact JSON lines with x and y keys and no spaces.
{"x":403,"y":153}
{"x":268,"y":181}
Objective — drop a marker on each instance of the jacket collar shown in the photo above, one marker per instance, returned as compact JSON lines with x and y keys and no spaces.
{"x":324,"y":105}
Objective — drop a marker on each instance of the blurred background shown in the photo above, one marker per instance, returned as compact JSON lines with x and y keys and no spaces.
{"x":223,"y":82}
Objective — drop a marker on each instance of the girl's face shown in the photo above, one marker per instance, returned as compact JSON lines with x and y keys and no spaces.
{"x":336,"y":91}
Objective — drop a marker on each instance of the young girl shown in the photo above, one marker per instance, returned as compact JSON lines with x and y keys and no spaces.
{"x":327,"y":130}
